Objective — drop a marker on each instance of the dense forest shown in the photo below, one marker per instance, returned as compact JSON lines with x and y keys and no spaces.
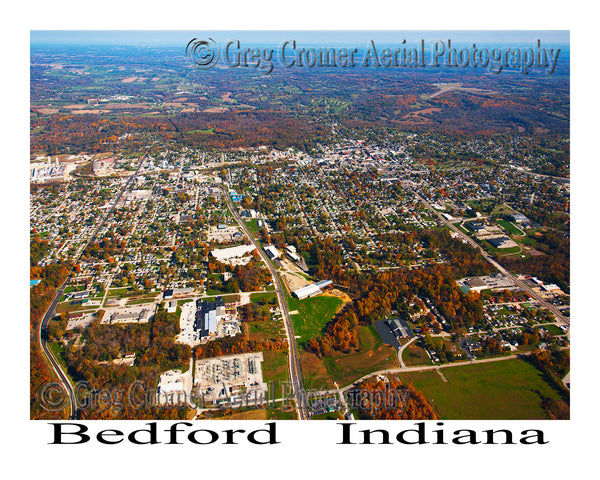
{"x":57,"y":134}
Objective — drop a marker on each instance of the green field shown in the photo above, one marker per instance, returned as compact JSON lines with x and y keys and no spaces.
{"x":231,"y":297}
{"x":497,"y":390}
{"x":118,"y":292}
{"x":510,"y":228}
{"x":67,"y":307}
{"x":253,"y":226}
{"x":554,"y":330}
{"x":500,"y":251}
{"x":146,"y":299}
{"x":208,"y":131}
{"x":326,"y":416}
{"x":257,"y":297}
{"x":414,"y":355}
{"x":275,"y":368}
{"x":314,"y":314}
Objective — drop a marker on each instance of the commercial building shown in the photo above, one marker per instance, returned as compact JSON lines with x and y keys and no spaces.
{"x":272,"y":252}
{"x":392,"y":330}
{"x":312,"y":290}
{"x":177,"y":292}
{"x":80,"y":295}
{"x":249,"y":213}
{"x":131,"y":316}
{"x":501,"y":242}
{"x":232,"y":252}
{"x":476,"y":226}
{"x":520,"y":218}
{"x":172,"y":306}
{"x":208,"y":315}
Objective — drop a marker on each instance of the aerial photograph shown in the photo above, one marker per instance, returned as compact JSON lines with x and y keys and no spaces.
{"x":299,"y":225}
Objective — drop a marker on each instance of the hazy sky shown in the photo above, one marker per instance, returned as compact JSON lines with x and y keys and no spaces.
{"x":165,"y":37}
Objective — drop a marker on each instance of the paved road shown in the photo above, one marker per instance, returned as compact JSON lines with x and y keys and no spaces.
{"x":62,"y":377}
{"x":557,"y":313}
{"x":293,"y":357}
{"x":51,"y":311}
{"x":401,"y":351}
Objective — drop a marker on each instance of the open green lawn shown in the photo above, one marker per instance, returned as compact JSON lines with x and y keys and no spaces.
{"x":501,"y":251}
{"x":232,"y":297}
{"x":207,"y":131}
{"x":275,"y":369}
{"x":253,"y":226}
{"x":460,"y":227}
{"x":553,"y":329}
{"x":257,"y":297}
{"x":414,"y":355}
{"x":498,"y":390}
{"x":314,"y":314}
{"x":118,"y":292}
{"x":510,"y":228}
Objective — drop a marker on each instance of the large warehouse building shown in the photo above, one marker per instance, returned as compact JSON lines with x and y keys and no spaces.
{"x":312,"y":290}
{"x":208,"y":315}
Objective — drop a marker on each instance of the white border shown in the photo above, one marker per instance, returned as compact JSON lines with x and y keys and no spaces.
{"x":308,"y":448}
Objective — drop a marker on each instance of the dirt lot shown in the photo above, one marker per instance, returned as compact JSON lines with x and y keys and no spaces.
{"x":294,"y":281}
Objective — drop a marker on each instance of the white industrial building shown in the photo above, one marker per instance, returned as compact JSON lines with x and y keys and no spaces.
{"x":232,"y":252}
{"x":272,"y":252}
{"x":312,"y":290}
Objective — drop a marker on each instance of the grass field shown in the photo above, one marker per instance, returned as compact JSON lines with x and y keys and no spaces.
{"x":347,"y":368}
{"x":118,"y":292}
{"x":510,"y":228}
{"x":257,"y":297}
{"x":146,"y":299}
{"x":414,"y":355}
{"x":553,"y":329}
{"x":275,"y":367}
{"x":314,"y":314}
{"x":461,"y":228}
{"x":498,"y":390}
{"x":231,"y":297}
{"x":252,"y":226}
{"x":66,"y":307}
